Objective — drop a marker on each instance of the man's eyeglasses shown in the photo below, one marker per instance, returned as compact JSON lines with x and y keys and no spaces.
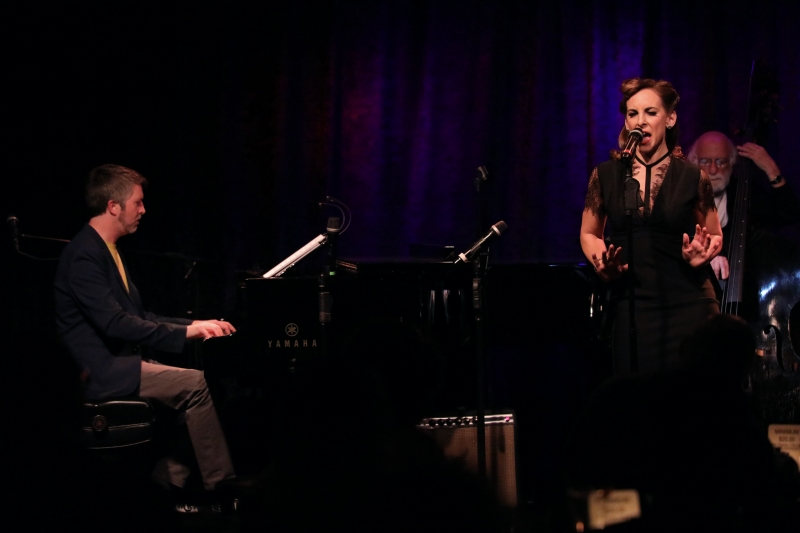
{"x":720,"y":163}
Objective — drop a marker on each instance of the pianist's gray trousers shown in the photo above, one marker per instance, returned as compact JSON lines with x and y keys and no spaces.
{"x":186,"y":390}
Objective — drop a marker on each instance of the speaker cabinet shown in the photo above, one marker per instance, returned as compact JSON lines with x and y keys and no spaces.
{"x":458,"y":438}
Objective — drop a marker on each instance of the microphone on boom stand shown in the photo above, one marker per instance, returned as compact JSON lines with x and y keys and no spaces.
{"x":495,"y":231}
{"x":635,"y":137}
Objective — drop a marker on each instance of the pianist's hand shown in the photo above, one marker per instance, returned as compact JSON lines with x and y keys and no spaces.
{"x":205,"y":329}
{"x":227,"y":327}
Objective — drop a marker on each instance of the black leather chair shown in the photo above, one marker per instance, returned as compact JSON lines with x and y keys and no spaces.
{"x":116,"y":423}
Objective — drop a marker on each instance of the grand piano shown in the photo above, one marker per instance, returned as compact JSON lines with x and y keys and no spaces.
{"x":543,"y":352}
{"x":527,"y":307}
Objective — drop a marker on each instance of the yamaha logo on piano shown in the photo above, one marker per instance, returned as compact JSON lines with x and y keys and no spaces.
{"x":292,"y":330}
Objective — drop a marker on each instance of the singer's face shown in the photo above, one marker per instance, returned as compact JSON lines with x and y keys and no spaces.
{"x":646,"y":110}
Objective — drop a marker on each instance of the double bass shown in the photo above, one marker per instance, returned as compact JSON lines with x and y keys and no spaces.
{"x":768,"y":297}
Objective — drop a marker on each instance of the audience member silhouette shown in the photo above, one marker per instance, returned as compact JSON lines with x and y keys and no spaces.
{"x":687,"y":441}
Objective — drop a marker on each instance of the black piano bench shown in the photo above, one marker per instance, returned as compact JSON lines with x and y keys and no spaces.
{"x":116,"y":423}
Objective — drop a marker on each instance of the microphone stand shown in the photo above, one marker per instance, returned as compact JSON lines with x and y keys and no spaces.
{"x":13,"y":224}
{"x":478,"y":255}
{"x":325,"y":298}
{"x":481,"y":185}
{"x":479,"y":265}
{"x":478,"y":310}
{"x":631,"y":203}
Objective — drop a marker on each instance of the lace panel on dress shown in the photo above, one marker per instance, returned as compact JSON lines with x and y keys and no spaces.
{"x":594,"y":198}
{"x":657,"y":175}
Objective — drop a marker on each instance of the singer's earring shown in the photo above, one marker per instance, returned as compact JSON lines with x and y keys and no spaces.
{"x":669,"y":126}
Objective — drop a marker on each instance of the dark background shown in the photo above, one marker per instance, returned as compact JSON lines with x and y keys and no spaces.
{"x":244,"y":117}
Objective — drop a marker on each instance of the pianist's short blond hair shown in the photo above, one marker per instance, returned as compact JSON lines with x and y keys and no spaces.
{"x":110,"y":182}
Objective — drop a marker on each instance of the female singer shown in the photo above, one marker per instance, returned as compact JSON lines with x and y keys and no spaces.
{"x":673,"y":291}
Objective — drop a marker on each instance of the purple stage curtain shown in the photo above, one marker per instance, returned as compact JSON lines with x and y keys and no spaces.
{"x":244,"y":118}
{"x":391,"y":107}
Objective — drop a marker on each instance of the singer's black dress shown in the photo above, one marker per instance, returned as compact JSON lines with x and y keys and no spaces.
{"x":672,"y":298}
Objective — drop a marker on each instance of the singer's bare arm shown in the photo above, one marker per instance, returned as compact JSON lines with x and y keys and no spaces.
{"x":606,"y":262}
{"x":707,"y":241}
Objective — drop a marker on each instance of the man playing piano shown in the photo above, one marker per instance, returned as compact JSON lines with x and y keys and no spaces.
{"x":100,"y":319}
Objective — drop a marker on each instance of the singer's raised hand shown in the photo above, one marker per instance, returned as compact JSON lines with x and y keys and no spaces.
{"x":702,"y":247}
{"x":609,"y":265}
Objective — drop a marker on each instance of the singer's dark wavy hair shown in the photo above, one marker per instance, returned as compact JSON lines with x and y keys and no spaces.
{"x":669,"y":97}
{"x":110,"y":182}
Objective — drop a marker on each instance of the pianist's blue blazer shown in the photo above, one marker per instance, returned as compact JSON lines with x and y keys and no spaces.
{"x":103,"y":325}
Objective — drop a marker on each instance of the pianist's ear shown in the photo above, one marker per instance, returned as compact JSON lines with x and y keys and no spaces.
{"x":113,"y":208}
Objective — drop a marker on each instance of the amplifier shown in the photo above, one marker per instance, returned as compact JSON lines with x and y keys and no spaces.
{"x":457,"y":436}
